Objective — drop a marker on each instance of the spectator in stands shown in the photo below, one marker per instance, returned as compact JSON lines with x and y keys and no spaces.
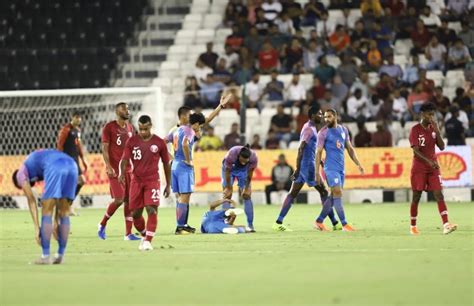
{"x":234,"y":102}
{"x":420,"y":37}
{"x":313,"y":35}
{"x":432,"y":21}
{"x":221,"y":74}
{"x":458,"y":55}
{"x":282,"y":125}
{"x":296,"y":93}
{"x":233,"y":138}
{"x":340,"y":92}
{"x":428,"y":85}
{"x":239,"y":8}
{"x":311,"y":55}
{"x":192,"y":97}
{"x":467,"y":36}
{"x":363,"y":84}
{"x":294,"y":11}
{"x":389,"y":21}
{"x":277,"y":39}
{"x":285,"y":24}
{"x":209,"y":58}
{"x":374,"y":57}
{"x":253,"y":41}
{"x":271,"y":9}
{"x":325,"y":27}
{"x":201,"y":72}
{"x":246,"y":58}
{"x":313,"y":11}
{"x":274,"y":88}
{"x":457,"y":8}
{"x":211,"y":92}
{"x":230,"y":15}
{"x":339,"y":40}
{"x":454,"y":128}
{"x":301,"y":118}
{"x":391,"y":69}
{"x":255,"y":145}
{"x":462,"y":99}
{"x":382,"y":137}
{"x":400,"y":107}
{"x":382,"y":35}
{"x":234,"y":40}
{"x":348,"y":70}
{"x":374,"y":107}
{"x":281,"y":177}
{"x":416,"y":99}
{"x":231,"y":58}
{"x":411,"y":73}
{"x":254,"y":92}
{"x":442,"y":103}
{"x":261,"y":23}
{"x":360,"y":34}
{"x":272,"y":142}
{"x":268,"y":58}
{"x":243,"y":25}
{"x":318,"y":90}
{"x":435,"y":54}
{"x":385,"y":111}
{"x":363,"y":137}
{"x":407,"y":23}
{"x":385,"y":86}
{"x":357,"y":106}
{"x":329,"y":102}
{"x":210,"y":142}
{"x":371,"y":5}
{"x":396,"y":7}
{"x":348,"y":19}
{"x":242,"y":74}
{"x":446,"y":36}
{"x":324,"y":72}
{"x":299,"y":35}
{"x":293,"y":57}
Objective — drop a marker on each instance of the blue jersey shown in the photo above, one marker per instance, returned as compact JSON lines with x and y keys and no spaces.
{"x":309,"y":135}
{"x":39,"y":161}
{"x":333,"y":140}
{"x":178,"y":137}
{"x":213,"y":222}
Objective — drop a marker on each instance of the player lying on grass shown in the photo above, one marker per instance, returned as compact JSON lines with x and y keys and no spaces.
{"x":239,"y":164}
{"x":222,"y":221}
{"x":305,"y":170}
{"x":425,"y":174}
{"x":59,"y":172}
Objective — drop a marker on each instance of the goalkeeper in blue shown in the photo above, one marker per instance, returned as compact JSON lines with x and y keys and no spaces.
{"x":59,"y":173}
{"x":334,"y":139}
{"x":221,"y":221}
{"x":305,"y":172}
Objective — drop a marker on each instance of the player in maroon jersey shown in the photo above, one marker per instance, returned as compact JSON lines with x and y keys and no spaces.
{"x":144,"y":151}
{"x":425,"y":174}
{"x":114,"y":136}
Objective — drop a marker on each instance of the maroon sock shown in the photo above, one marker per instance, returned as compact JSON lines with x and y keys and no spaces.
{"x":413,"y":213}
{"x":109,"y":213}
{"x":443,"y":211}
{"x":151,"y":224}
{"x":140,"y":224}
{"x":127,"y":213}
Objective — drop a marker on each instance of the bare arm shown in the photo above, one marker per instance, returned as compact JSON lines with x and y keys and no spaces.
{"x":123,"y":165}
{"x":219,"y":202}
{"x":439,"y":140}
{"x":105,"y":155}
{"x":62,"y":138}
{"x":353,"y":156}
{"x":167,"y":169}
{"x":298,"y":159}
{"x":319,"y":154}
{"x":424,"y":158}
{"x":224,"y":101}
{"x":32,"y":206}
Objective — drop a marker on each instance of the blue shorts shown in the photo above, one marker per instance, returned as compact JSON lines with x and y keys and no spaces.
{"x":334,"y":178}
{"x":241,"y":177}
{"x":60,"y":179}
{"x":307,"y":175}
{"x":182,"y":178}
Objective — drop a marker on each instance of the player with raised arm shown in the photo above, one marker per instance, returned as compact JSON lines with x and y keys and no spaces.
{"x":239,"y":164}
{"x":305,"y":170}
{"x":334,"y":138}
{"x":59,"y":173}
{"x":144,"y":152}
{"x":114,"y":136}
{"x":222,"y":221}
{"x":425,"y":174}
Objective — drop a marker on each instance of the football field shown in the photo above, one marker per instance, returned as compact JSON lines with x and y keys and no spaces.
{"x":380,"y":264}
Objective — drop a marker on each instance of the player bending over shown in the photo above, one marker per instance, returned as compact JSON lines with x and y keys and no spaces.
{"x":221,"y":221}
{"x":144,"y":151}
{"x":59,"y":172}
{"x":114,"y":136}
{"x":425,"y":174}
{"x":334,"y":138}
{"x":305,"y":170}
{"x":239,"y":164}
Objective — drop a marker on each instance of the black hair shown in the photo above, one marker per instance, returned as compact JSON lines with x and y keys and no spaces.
{"x":120,"y":104}
{"x":77,"y":114}
{"x":182,"y":110}
{"x":320,"y":58}
{"x":428,"y":107}
{"x":144,"y":119}
{"x":313,"y":110}
{"x":197,"y":118}
{"x":245,"y":152}
{"x":332,"y":110}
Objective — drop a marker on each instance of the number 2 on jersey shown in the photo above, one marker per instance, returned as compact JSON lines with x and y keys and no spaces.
{"x":137,"y":154}
{"x":155,"y":195}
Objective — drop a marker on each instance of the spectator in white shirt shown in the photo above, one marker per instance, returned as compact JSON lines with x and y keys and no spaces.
{"x":296,"y":93}
{"x":429,"y":19}
{"x":285,"y":24}
{"x":462,"y":117}
{"x":435,"y":54}
{"x":201,"y":72}
{"x":325,"y":27}
{"x":357,"y":105}
{"x":272,"y":9}
{"x":400,"y":106}
{"x":254,"y":92}
{"x":231,"y":58}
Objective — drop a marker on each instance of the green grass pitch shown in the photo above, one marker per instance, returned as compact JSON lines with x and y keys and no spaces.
{"x":380,"y":264}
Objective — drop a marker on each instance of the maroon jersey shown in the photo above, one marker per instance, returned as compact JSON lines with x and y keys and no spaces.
{"x":116,"y":137}
{"x":145,"y":156}
{"x":425,"y":140}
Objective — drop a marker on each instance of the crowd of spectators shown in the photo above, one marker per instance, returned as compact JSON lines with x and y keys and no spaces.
{"x":282,"y":37}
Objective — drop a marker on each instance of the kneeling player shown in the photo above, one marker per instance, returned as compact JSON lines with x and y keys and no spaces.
{"x":239,"y":163}
{"x":425,"y":174}
{"x":145,"y":151}
{"x":221,"y":221}
{"x":59,"y":172}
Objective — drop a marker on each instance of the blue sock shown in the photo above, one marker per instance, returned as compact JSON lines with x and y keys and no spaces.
{"x":327,"y":208}
{"x":181,"y":212}
{"x":285,"y":208}
{"x":331,"y":213}
{"x":46,"y":231}
{"x":340,"y":210}
{"x":63,"y":234}
{"x":248,"y":208}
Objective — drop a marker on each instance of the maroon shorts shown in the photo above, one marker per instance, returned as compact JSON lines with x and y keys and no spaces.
{"x":426,"y":181}
{"x":144,"y":193}
{"x":117,"y":190}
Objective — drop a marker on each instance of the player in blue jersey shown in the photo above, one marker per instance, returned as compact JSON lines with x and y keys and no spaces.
{"x":334,"y":138}
{"x":239,"y":164}
{"x":305,"y":170}
{"x":222,"y":221}
{"x":59,"y":173}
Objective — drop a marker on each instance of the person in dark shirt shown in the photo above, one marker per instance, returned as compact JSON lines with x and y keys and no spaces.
{"x":363,"y":137}
{"x":209,"y":57}
{"x":382,"y":137}
{"x":281,"y":124}
{"x":192,"y":97}
{"x":281,"y":177}
{"x":446,"y":36}
{"x":454,"y":129}
{"x":233,"y":138}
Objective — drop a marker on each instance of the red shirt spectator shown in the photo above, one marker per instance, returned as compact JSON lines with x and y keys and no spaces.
{"x":420,"y":36}
{"x":339,"y":40}
{"x":396,"y":6}
{"x":268,"y":58}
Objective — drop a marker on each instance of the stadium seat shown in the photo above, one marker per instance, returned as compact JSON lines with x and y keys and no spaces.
{"x":187,"y":68}
{"x":169,"y":69}
{"x":195,"y":51}
{"x":185,"y":37}
{"x":191,"y":25}
{"x":401,"y":60}
{"x":177,"y":53}
{"x":193,"y":18}
{"x":454,"y":78}
{"x":403,"y":46}
{"x":204,"y":36}
{"x":456,"y":26}
{"x":373,"y":78}
{"x":178,"y":85}
{"x":294,"y":145}
{"x":437,"y":76}
{"x":403,"y":143}
{"x":333,"y":60}
{"x":164,"y":83}
{"x":211,"y":21}
{"x":449,"y":92}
